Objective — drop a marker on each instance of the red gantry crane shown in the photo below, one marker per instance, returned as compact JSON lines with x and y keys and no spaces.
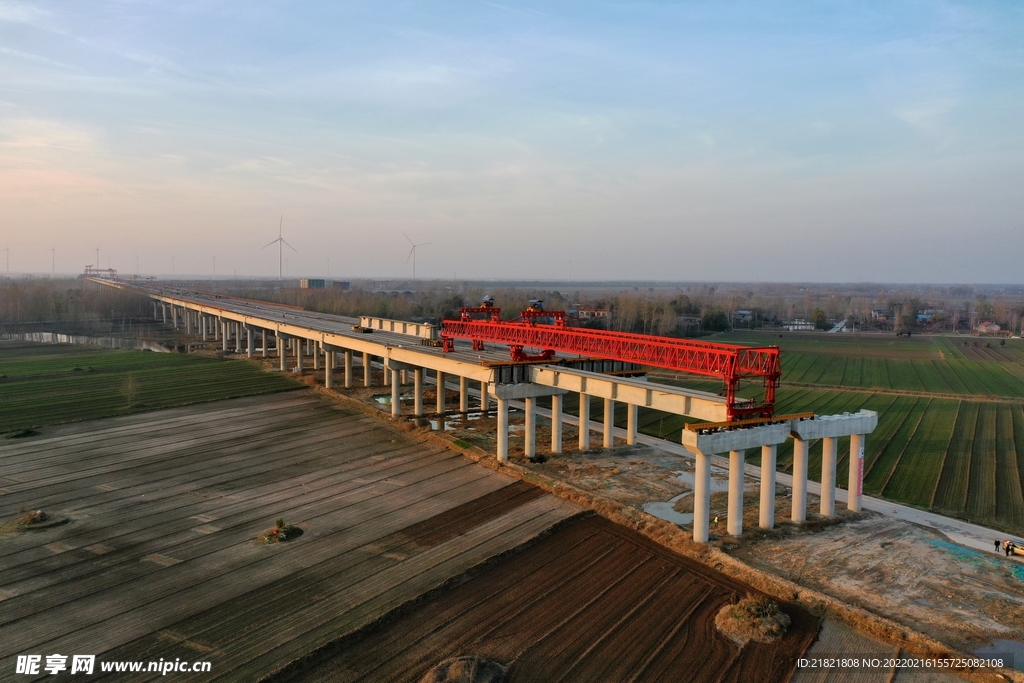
{"x":730,"y":362}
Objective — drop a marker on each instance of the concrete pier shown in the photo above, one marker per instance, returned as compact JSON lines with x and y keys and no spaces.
{"x":829,"y":451}
{"x":224,"y":335}
{"x":584,"y":422}
{"x":264,"y":342}
{"x":701,"y":498}
{"x":439,"y":402}
{"x":366,"y":370}
{"x":484,"y":398}
{"x":463,"y":395}
{"x":248,"y":342}
{"x":530,"y":431}
{"x":282,"y":351}
{"x":734,"y":516}
{"x":502,"y":430}
{"x":799,"y":510}
{"x":631,"y":418}
{"x":417,"y":392}
{"x":855,"y":483}
{"x":348,"y":369}
{"x":298,"y":354}
{"x":316,"y":355}
{"x":396,"y":393}
{"x":609,"y":423}
{"x":556,"y":424}
{"x":766,"y":519}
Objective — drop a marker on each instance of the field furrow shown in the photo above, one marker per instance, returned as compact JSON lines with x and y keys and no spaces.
{"x":951,"y":490}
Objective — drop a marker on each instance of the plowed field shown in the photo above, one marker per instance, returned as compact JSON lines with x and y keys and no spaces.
{"x":591,"y":602}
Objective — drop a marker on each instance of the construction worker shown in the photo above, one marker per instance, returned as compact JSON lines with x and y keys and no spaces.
{"x":998,"y":543}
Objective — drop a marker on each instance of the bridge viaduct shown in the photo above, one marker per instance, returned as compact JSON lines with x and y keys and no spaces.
{"x":333,"y":342}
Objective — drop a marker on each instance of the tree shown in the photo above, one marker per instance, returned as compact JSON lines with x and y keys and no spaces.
{"x":819,"y":320}
{"x":130,"y":390}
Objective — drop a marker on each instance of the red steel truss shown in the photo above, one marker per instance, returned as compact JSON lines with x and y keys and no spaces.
{"x":730,"y":362}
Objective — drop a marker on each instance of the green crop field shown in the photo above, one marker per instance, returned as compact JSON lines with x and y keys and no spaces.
{"x":950,"y":434}
{"x":44,"y":384}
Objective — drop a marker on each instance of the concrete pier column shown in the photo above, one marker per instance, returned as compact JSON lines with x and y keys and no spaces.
{"x":224,"y":335}
{"x":484,"y":398}
{"x":439,"y":403}
{"x":396,"y":393}
{"x":216,"y":328}
{"x":387,"y":375}
{"x":404,"y":377}
{"x":316,"y":355}
{"x":417,"y":392}
{"x":530,"y":430}
{"x":584,"y":422}
{"x":348,"y":368}
{"x":329,"y":370}
{"x":799,"y":513}
{"x":734,"y":517}
{"x":163,"y":312}
{"x":631,"y":417}
{"x":188,"y":322}
{"x":556,"y":424}
{"x":463,"y":395}
{"x":174,"y":315}
{"x":248,"y":341}
{"x":829,"y":450}
{"x":856,"y":479}
{"x":282,"y":352}
{"x":502,"y":430}
{"x":263,"y":342}
{"x":366,"y":370}
{"x":203,"y":324}
{"x":766,"y":520}
{"x":701,"y":498}
{"x":298,"y":354}
{"x":609,"y":423}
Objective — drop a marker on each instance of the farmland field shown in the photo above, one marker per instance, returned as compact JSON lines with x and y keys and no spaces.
{"x":950,"y":433}
{"x":48,"y":384}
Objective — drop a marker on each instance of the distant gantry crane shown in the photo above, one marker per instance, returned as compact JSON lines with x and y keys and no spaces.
{"x":729,"y":362}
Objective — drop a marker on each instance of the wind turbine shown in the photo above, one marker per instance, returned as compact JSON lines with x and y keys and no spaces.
{"x":280,"y":249}
{"x":412,"y":254}
{"x":53,"y":265}
{"x":7,"y":250}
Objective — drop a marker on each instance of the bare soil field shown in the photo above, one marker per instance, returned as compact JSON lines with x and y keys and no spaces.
{"x":160,"y":558}
{"x":906,"y":572}
{"x":593,"y":601}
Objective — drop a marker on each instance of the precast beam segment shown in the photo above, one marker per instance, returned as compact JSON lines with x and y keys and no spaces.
{"x":702,"y":405}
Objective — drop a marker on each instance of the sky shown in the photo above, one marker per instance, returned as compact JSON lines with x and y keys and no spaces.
{"x":680,"y":141}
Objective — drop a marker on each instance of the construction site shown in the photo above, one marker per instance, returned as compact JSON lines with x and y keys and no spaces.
{"x":532,"y":529}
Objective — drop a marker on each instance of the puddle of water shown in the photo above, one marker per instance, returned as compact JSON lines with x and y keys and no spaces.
{"x":664,"y":511}
{"x":386,"y":398}
{"x":926,"y":603}
{"x":717,"y":485}
{"x":104,"y":342}
{"x":1011,"y":652}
